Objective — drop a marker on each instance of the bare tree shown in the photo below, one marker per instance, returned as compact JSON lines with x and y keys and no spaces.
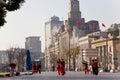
{"x":17,"y":55}
{"x":11,"y":55}
{"x":21,"y":59}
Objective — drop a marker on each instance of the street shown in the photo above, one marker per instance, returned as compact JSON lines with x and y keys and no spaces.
{"x":70,"y":75}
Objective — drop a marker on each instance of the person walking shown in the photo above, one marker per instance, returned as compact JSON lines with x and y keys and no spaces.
{"x":62,"y":68}
{"x":90,"y":68}
{"x":93,"y":69}
{"x":58,"y":64}
{"x":33,"y":70}
{"x":53,"y":68}
{"x":86,"y":67}
{"x":95,"y":66}
{"x":39,"y":67}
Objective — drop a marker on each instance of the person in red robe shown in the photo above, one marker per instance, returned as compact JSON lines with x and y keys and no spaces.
{"x":86,"y":67}
{"x":39,"y":68}
{"x":95,"y":66}
{"x":58,"y":64}
{"x":62,"y":67}
{"x":33,"y":71}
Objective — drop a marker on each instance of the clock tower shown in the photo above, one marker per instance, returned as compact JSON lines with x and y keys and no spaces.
{"x":74,"y":14}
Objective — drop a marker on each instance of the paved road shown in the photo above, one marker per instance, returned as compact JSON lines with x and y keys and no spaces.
{"x":68,"y":76}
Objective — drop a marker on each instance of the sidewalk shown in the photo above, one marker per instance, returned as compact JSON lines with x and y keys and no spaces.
{"x":25,"y":73}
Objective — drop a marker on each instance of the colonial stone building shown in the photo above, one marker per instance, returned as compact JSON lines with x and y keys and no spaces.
{"x":74,"y":28}
{"x":107,"y":51}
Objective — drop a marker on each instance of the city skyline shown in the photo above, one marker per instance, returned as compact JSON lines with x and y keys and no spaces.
{"x":30,"y":19}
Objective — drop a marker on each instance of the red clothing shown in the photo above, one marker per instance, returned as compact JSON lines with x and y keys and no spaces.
{"x":62,"y":71}
{"x":86,"y":70}
{"x":33,"y":71}
{"x":62,"y":68}
{"x":58,"y":66}
{"x":95,"y":64}
{"x":39,"y":71}
{"x":39,"y":68}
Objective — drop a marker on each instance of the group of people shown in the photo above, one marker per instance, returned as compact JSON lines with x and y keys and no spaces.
{"x":36,"y":68}
{"x":92,"y":67}
{"x":60,"y":66}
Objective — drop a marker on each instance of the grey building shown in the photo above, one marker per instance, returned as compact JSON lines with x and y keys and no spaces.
{"x":33,"y":44}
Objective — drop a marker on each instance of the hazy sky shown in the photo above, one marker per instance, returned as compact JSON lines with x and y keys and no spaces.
{"x":30,"y":19}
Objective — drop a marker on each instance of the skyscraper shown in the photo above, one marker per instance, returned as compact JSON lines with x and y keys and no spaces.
{"x":51,"y":27}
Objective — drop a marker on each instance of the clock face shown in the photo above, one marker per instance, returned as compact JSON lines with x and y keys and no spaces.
{"x":75,"y":6}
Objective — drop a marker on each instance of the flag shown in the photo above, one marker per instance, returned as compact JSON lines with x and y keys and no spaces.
{"x":103,"y":25}
{"x":58,"y":33}
{"x":78,"y":23}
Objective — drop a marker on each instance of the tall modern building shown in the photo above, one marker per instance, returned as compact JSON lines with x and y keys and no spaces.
{"x":51,"y":28}
{"x":33,"y":44}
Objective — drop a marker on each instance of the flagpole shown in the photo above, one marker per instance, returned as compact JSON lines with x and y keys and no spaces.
{"x":107,"y":50}
{"x":69,"y":51}
{"x":59,"y":44}
{"x":107,"y":55}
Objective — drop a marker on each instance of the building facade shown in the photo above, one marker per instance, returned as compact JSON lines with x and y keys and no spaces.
{"x":73,"y":28}
{"x":107,"y":51}
{"x":51,"y":32}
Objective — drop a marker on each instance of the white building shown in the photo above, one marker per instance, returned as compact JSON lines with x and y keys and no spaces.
{"x":51,"y":28}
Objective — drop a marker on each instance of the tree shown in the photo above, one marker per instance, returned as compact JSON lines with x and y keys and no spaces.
{"x":53,"y":59}
{"x":113,"y":31}
{"x":7,"y":6}
{"x":20,"y":57}
{"x":11,"y":55}
{"x":17,"y":55}
{"x":74,"y":52}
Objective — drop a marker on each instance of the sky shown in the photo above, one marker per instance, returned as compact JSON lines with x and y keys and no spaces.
{"x":30,"y":19}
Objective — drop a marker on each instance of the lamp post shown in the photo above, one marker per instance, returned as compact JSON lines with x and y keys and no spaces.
{"x":69,"y":50}
{"x":107,"y":56}
{"x":83,"y":61}
{"x":58,"y":39}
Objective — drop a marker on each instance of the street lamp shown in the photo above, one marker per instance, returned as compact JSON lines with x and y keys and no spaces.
{"x":69,"y":50}
{"x":107,"y":56}
{"x":59,"y":44}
